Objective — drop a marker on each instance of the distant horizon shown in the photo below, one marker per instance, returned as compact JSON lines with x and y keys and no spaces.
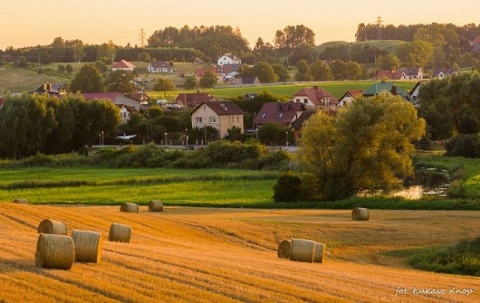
{"x":32,"y":23}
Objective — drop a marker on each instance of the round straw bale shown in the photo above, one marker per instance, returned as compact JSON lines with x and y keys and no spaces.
{"x":284,"y":249}
{"x":54,"y":251}
{"x":88,"y":246}
{"x":360,"y":214}
{"x":155,"y":205}
{"x":129,"y":207}
{"x":302,"y":250}
{"x":20,"y":201}
{"x":48,"y":226}
{"x":120,"y":233}
{"x":318,"y":252}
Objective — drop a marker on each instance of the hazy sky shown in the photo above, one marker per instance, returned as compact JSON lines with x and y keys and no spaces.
{"x":33,"y":22}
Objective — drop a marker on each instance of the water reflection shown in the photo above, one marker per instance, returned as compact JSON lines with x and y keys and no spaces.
{"x":425,"y":182}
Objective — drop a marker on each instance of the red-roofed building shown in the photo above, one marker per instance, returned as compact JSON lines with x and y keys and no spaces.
{"x":123,"y":65}
{"x":392,"y":75}
{"x":315,"y":98}
{"x":476,"y":44}
{"x":199,"y":72}
{"x":126,"y":112}
{"x":193,"y":99}
{"x":349,"y":96}
{"x":221,"y":115}
{"x":279,"y":112}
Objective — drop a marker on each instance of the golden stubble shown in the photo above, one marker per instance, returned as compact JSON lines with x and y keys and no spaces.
{"x":229,"y":255}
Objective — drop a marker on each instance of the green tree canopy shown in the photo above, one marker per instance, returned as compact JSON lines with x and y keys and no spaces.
{"x":88,"y":80}
{"x":303,"y":71}
{"x":368,"y":146}
{"x":209,"y":79}
{"x":265,"y":72}
{"x":121,"y":81}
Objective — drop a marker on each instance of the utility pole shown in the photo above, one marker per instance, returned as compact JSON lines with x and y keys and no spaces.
{"x":142,"y":38}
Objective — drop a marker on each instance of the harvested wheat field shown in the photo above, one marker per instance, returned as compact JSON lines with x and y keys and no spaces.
{"x":230,"y":255}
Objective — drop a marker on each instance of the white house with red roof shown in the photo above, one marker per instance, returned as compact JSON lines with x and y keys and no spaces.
{"x":123,"y":65}
{"x":315,"y":98}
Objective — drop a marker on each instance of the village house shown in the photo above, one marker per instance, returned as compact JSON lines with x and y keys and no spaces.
{"x":412,"y":73}
{"x":193,"y":99}
{"x":160,"y":67}
{"x":315,"y":98}
{"x":131,"y":105}
{"x":390,"y":87}
{"x":390,"y":75}
{"x":441,"y":73}
{"x":279,"y":112}
{"x":123,"y":65}
{"x":228,"y":58}
{"x":349,"y":96}
{"x":126,"y":112}
{"x":221,"y":115}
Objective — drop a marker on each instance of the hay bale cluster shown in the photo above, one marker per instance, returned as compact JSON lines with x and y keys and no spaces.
{"x":20,"y":201}
{"x":301,"y":250}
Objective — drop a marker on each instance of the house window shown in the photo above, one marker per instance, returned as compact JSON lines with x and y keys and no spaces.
{"x":233,"y":119}
{"x":204,"y":108}
{"x":281,"y":114}
{"x":238,"y":119}
{"x":297,"y":100}
{"x":305,"y":101}
{"x":211,"y":120}
{"x":198,"y":120}
{"x":264,"y":115}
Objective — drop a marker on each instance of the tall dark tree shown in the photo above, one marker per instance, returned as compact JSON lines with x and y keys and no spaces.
{"x":88,"y":80}
{"x":121,"y":81}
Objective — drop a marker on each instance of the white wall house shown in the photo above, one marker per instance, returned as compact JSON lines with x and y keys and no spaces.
{"x":228,"y":58}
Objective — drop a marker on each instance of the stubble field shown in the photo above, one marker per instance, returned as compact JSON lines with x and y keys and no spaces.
{"x":229,"y":255}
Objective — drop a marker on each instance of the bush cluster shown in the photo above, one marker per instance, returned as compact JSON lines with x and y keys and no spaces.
{"x":464,"y":145}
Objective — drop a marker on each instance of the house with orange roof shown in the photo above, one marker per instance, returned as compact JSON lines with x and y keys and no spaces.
{"x":123,"y":65}
{"x":390,"y":75}
{"x":349,"y":96}
{"x":315,"y":98}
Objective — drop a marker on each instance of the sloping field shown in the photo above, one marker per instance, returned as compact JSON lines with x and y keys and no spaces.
{"x":229,"y":255}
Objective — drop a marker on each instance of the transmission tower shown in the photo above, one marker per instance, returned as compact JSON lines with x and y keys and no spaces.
{"x":379,"y":28}
{"x":142,"y":38}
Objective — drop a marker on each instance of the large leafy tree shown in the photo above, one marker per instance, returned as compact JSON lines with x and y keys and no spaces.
{"x":367,"y":146}
{"x":416,"y":53}
{"x":209,"y":79}
{"x":303,"y":71}
{"x":265,"y":72}
{"x":320,"y":71}
{"x":292,"y":36}
{"x":88,"y":80}
{"x":121,"y":81}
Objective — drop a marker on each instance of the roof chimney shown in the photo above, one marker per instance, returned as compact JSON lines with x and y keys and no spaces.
{"x":315,"y":87}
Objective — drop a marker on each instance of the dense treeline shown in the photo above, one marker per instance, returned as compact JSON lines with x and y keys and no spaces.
{"x":31,"y":124}
{"x":460,"y":35}
{"x":451,"y":107}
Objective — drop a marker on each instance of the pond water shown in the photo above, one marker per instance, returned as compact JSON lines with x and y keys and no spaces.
{"x":425,"y":182}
